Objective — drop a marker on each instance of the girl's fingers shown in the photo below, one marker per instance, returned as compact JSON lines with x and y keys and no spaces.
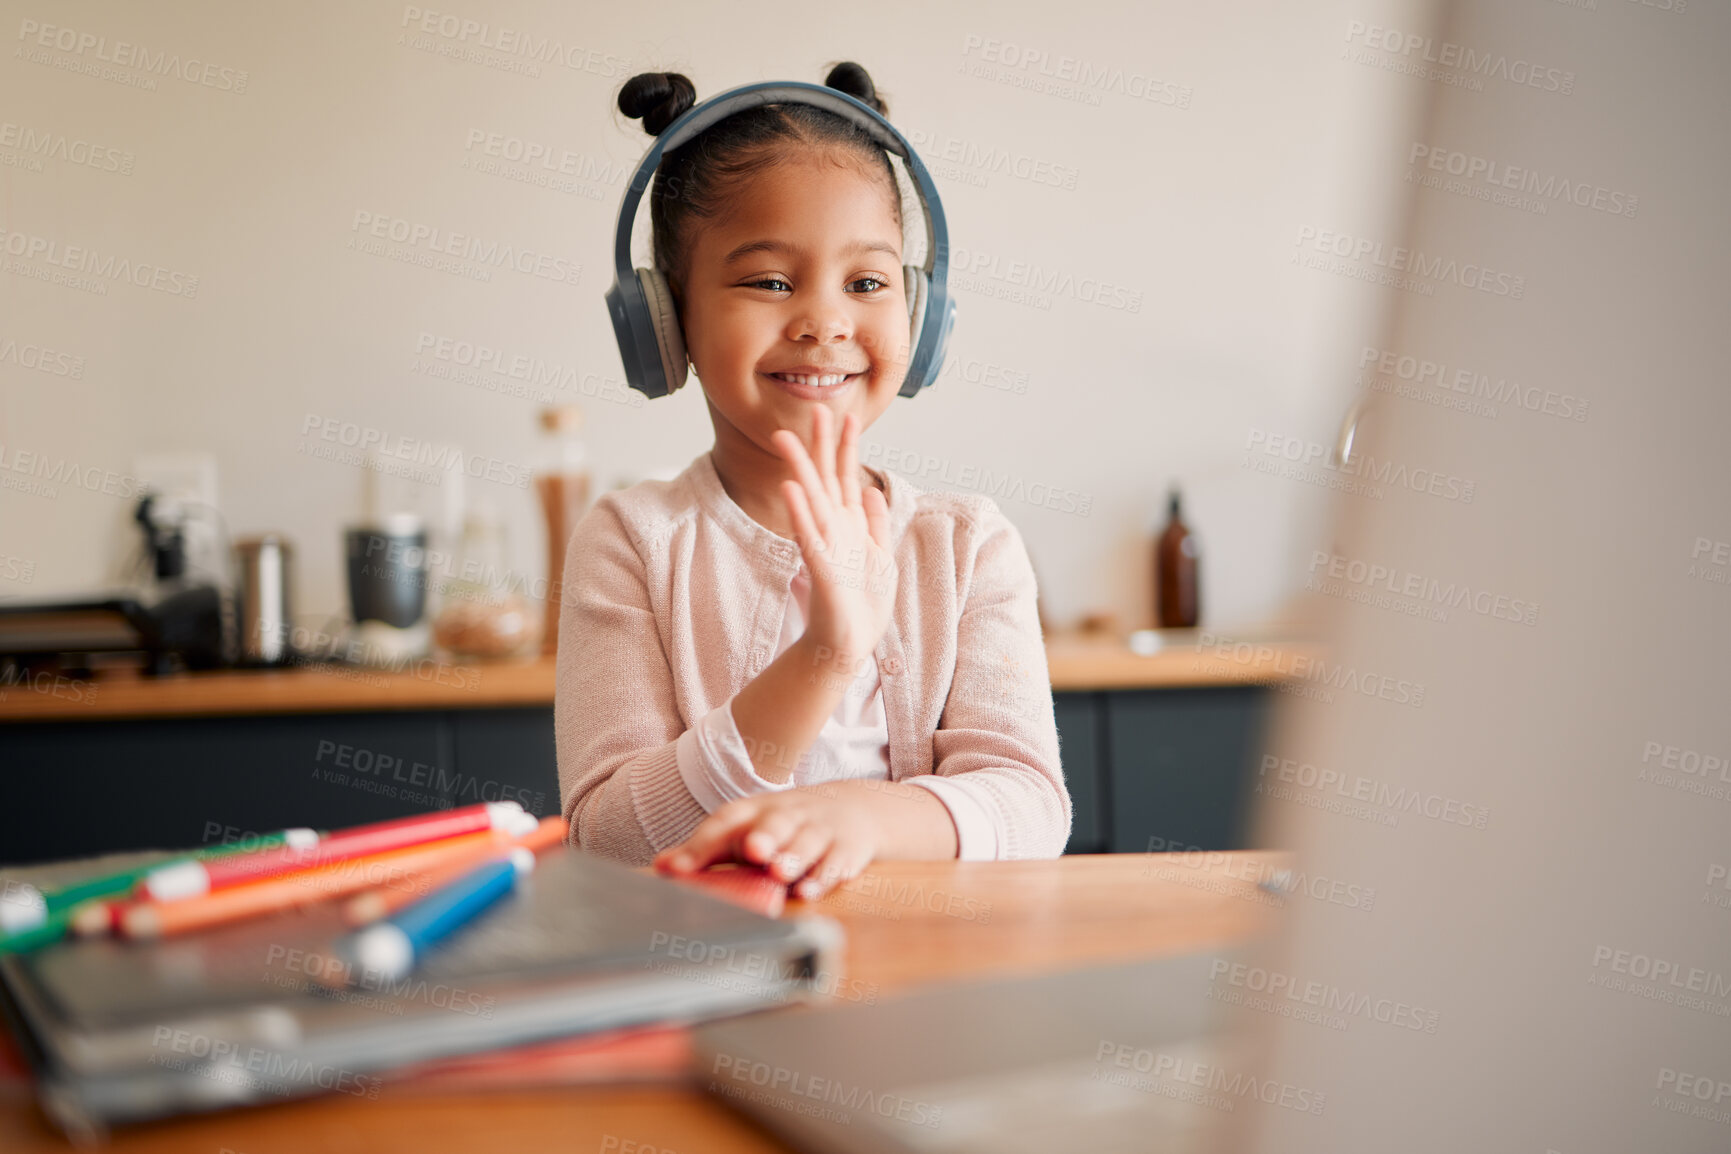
{"x":768,"y":834}
{"x":841,"y":863}
{"x":877,"y":515}
{"x":801,"y":852}
{"x":847,"y":462}
{"x":712,"y":841}
{"x":816,"y":495}
{"x":811,"y":541}
{"x":823,"y":451}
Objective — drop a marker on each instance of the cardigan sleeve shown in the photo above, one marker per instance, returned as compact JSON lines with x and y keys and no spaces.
{"x":616,"y":719}
{"x":997,"y":739}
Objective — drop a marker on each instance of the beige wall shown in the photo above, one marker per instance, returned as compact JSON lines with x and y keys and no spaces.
{"x":1182,"y":181}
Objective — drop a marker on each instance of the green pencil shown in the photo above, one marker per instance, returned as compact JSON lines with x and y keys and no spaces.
{"x":36,"y":918}
{"x":48,"y":932}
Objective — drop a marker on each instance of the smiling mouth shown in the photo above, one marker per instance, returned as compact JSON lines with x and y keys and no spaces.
{"x":815,"y":380}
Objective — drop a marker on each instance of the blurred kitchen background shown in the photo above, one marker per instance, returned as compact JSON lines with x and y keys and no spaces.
{"x":1130,"y":312}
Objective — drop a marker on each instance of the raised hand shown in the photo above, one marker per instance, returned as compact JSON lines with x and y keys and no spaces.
{"x":844,"y":537}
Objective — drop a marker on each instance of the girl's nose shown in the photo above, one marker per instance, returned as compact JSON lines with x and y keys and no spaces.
{"x":823,"y":319}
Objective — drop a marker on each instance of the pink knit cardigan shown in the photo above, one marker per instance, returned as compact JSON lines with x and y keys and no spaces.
{"x":674,"y":599}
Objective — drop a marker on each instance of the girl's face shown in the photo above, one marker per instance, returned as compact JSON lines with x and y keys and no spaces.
{"x":802,"y":279}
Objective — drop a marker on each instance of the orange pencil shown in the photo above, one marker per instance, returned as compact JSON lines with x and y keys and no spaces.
{"x":151,"y":919}
{"x":366,"y":908}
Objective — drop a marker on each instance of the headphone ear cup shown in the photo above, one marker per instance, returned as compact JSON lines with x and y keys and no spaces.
{"x":664,"y":316}
{"x":915,"y":278}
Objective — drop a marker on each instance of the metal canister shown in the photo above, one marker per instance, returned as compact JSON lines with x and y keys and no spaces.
{"x":264,"y":619}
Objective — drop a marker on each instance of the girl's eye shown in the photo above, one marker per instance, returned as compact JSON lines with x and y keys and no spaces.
{"x":776,"y":284}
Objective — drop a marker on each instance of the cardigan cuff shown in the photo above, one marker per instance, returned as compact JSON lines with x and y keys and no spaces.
{"x":976,"y":832}
{"x":714,"y":763}
{"x":665,"y":808}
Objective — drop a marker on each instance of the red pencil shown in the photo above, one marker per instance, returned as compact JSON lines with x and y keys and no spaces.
{"x":149,"y":919}
{"x":193,"y":878}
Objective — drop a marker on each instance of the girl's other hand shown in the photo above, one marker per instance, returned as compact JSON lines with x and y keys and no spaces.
{"x":843,"y":536}
{"x":813,"y":840}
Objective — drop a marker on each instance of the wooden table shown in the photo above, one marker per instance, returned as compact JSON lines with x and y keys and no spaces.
{"x":1044,"y":916}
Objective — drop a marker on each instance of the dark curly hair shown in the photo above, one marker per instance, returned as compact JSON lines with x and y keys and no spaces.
{"x":696,"y":180}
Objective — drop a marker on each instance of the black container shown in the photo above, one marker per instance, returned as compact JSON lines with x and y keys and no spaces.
{"x":388,"y":572}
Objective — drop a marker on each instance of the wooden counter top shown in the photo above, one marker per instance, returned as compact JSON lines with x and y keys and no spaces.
{"x":1076,"y":662}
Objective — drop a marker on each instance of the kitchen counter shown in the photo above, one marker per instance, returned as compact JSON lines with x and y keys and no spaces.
{"x":1158,"y":750}
{"x":1076,"y":662}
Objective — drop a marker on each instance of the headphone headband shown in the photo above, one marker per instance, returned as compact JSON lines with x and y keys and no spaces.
{"x":626,"y":300}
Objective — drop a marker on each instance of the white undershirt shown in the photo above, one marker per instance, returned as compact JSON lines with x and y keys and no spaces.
{"x":853,"y":744}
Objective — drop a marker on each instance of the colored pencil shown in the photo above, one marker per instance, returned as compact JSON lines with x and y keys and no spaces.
{"x":45,"y":933}
{"x":22,"y":907}
{"x":85,"y":902}
{"x":193,"y":879}
{"x":387,"y":950}
{"x":151,"y":919}
{"x":123,"y":881}
{"x":371,"y":905}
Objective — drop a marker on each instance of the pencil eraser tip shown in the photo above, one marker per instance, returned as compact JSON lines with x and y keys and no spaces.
{"x":22,"y":907}
{"x":177,"y":882}
{"x":383,"y":952}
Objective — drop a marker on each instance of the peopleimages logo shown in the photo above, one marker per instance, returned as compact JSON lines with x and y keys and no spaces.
{"x":1394,"y":800}
{"x":517,"y":42}
{"x":1069,"y":77}
{"x":77,"y":259}
{"x":1275,"y":992}
{"x":43,"y":360}
{"x":1449,"y":57}
{"x":780,"y":1080}
{"x":69,"y":149}
{"x":958,"y":154}
{"x":1667,"y":979}
{"x":1393,"y":262}
{"x":465,"y":247}
{"x":1114,"y":1061}
{"x":437,"y":459}
{"x":1422,"y":373}
{"x":1305,"y":674}
{"x":47,"y":473}
{"x":1327,"y":569}
{"x":969,"y":265}
{"x":1518,"y":179}
{"x":126,"y":55}
{"x":1308,"y":458}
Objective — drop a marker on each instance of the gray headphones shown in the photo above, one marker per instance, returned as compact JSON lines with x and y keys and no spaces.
{"x":641,"y":302}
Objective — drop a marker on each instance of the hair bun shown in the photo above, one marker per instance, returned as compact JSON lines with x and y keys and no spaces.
{"x":854,"y":80}
{"x":658,"y":99}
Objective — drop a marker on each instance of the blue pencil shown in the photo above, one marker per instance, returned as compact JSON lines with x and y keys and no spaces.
{"x":389,"y":949}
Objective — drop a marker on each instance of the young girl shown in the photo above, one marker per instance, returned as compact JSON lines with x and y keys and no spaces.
{"x":782,"y":657}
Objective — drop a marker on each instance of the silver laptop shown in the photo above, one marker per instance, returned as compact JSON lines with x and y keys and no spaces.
{"x":1115,"y":1060}
{"x":1520,"y":743}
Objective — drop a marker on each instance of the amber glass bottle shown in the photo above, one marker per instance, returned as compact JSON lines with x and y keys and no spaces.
{"x":563,"y":483}
{"x":1176,"y":591}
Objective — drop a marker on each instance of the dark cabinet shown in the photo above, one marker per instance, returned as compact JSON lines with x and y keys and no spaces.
{"x":1152,"y":769}
{"x":1162,"y":768}
{"x":78,"y":789}
{"x":1079,"y":747}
